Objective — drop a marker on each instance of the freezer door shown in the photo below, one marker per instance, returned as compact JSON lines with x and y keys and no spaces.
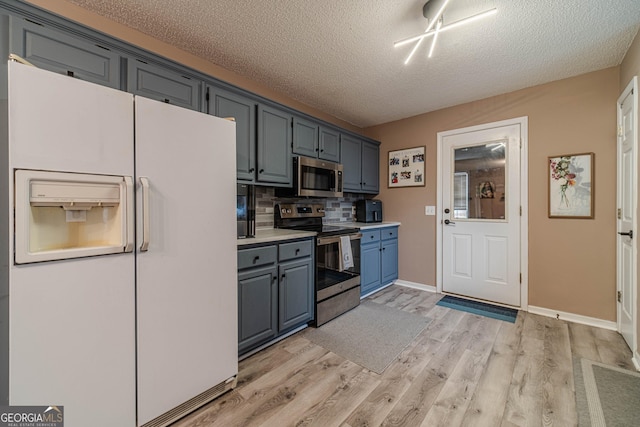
{"x":186,"y":273}
{"x":70,"y":321}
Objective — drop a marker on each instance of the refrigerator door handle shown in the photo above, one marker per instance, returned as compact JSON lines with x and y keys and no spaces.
{"x":129,"y":228}
{"x":144,"y":182}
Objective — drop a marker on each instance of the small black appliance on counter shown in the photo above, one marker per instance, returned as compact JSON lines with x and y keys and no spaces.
{"x":369,"y":210}
{"x":245,"y":211}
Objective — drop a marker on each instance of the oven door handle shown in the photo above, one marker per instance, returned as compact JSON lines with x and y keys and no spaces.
{"x":336,"y":239}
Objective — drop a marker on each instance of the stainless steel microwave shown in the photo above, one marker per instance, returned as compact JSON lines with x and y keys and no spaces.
{"x":314,"y":178}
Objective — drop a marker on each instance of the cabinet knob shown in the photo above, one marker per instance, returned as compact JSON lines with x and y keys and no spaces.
{"x":322,"y":151}
{"x":317,"y":150}
{"x":69,"y":73}
{"x":283,"y":276}
{"x":261,"y":170}
{"x":256,"y":258}
{"x":297,"y":251}
{"x":252,"y":170}
{"x":166,"y":101}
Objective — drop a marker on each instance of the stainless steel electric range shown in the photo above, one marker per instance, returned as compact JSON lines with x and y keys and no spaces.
{"x":337,"y":288}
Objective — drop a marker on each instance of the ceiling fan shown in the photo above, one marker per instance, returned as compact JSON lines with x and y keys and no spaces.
{"x":433,"y":11}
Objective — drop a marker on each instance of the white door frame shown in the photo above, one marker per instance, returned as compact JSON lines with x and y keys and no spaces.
{"x":632,"y":88}
{"x":524,"y":202}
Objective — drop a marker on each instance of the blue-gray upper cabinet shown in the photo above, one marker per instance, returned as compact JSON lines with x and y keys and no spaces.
{"x":370,"y":167}
{"x":313,"y":140}
{"x":305,"y":137}
{"x":329,"y":144}
{"x":351,"y":155}
{"x":60,"y":53}
{"x":155,"y":82}
{"x":361,"y":165}
{"x":274,"y":146}
{"x":226,"y":104}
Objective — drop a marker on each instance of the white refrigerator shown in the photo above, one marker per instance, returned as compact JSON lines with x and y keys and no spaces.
{"x":121,"y":255}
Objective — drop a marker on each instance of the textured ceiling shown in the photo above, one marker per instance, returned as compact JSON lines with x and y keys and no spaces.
{"x":338,"y":55}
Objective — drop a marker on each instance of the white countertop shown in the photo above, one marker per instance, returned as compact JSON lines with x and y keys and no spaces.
{"x":274,"y":235}
{"x":368,"y":225}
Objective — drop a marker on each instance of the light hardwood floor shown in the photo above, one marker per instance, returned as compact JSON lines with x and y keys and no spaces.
{"x":462,"y":370}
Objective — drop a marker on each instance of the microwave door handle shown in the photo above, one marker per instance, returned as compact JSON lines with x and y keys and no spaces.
{"x":144,"y":182}
{"x":128,"y":228}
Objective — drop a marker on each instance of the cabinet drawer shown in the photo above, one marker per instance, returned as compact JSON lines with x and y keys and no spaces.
{"x":369,"y":236}
{"x":295,"y":250}
{"x":248,"y":258}
{"x":389,"y":233}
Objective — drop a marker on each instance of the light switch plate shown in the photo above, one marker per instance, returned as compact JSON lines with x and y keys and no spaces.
{"x":430,"y":210}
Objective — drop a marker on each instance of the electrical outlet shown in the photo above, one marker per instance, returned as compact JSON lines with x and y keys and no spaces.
{"x":430,"y":210}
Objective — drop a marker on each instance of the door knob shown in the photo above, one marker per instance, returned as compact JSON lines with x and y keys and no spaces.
{"x":447,"y":210}
{"x":630,"y":234}
{"x":447,"y":222}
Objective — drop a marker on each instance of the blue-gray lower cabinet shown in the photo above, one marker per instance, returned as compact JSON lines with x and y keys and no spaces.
{"x":378,"y":258}
{"x":275,"y":291}
{"x":257,"y":307}
{"x":296,"y":296}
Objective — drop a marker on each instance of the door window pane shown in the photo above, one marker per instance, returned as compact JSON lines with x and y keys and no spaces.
{"x":483,"y":167}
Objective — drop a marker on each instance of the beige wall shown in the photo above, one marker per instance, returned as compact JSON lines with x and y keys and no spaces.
{"x":571,"y":262}
{"x":89,"y":19}
{"x":629,"y":68}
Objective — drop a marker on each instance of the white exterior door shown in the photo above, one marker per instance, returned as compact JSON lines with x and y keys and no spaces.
{"x":627,"y":205}
{"x":481,"y":213}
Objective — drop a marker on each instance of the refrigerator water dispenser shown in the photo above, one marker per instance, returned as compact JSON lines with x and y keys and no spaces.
{"x":68,"y":215}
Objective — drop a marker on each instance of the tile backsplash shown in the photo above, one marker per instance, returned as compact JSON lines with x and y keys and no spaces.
{"x":336,"y":209}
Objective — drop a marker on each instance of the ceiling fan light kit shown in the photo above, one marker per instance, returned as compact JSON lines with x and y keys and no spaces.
{"x":437,"y":20}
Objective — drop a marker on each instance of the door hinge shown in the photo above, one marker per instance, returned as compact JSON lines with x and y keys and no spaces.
{"x":520,"y":277}
{"x":520,"y":210}
{"x":619,"y":213}
{"x":619,"y":296}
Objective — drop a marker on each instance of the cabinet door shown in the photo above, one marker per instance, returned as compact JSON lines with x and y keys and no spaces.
{"x":389,"y":261}
{"x":257,"y":307}
{"x":296,"y":293}
{"x":155,"y":82}
{"x":369,"y":267}
{"x":57,"y":52}
{"x":350,"y":149}
{"x":329,"y":145}
{"x":370,"y":167}
{"x":243,"y":110}
{"x":274,"y":146}
{"x":305,"y":137}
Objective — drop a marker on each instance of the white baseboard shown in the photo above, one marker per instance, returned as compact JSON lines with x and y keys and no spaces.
{"x":420,"y":286}
{"x":636,"y":360}
{"x":576,"y":318}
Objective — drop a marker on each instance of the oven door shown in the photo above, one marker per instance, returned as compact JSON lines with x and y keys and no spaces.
{"x":337,"y":287}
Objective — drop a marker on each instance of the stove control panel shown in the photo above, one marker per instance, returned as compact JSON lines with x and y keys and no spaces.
{"x":295,"y":210}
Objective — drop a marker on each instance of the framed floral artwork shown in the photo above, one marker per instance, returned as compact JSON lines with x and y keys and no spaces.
{"x":571,"y":189}
{"x":406,"y":168}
